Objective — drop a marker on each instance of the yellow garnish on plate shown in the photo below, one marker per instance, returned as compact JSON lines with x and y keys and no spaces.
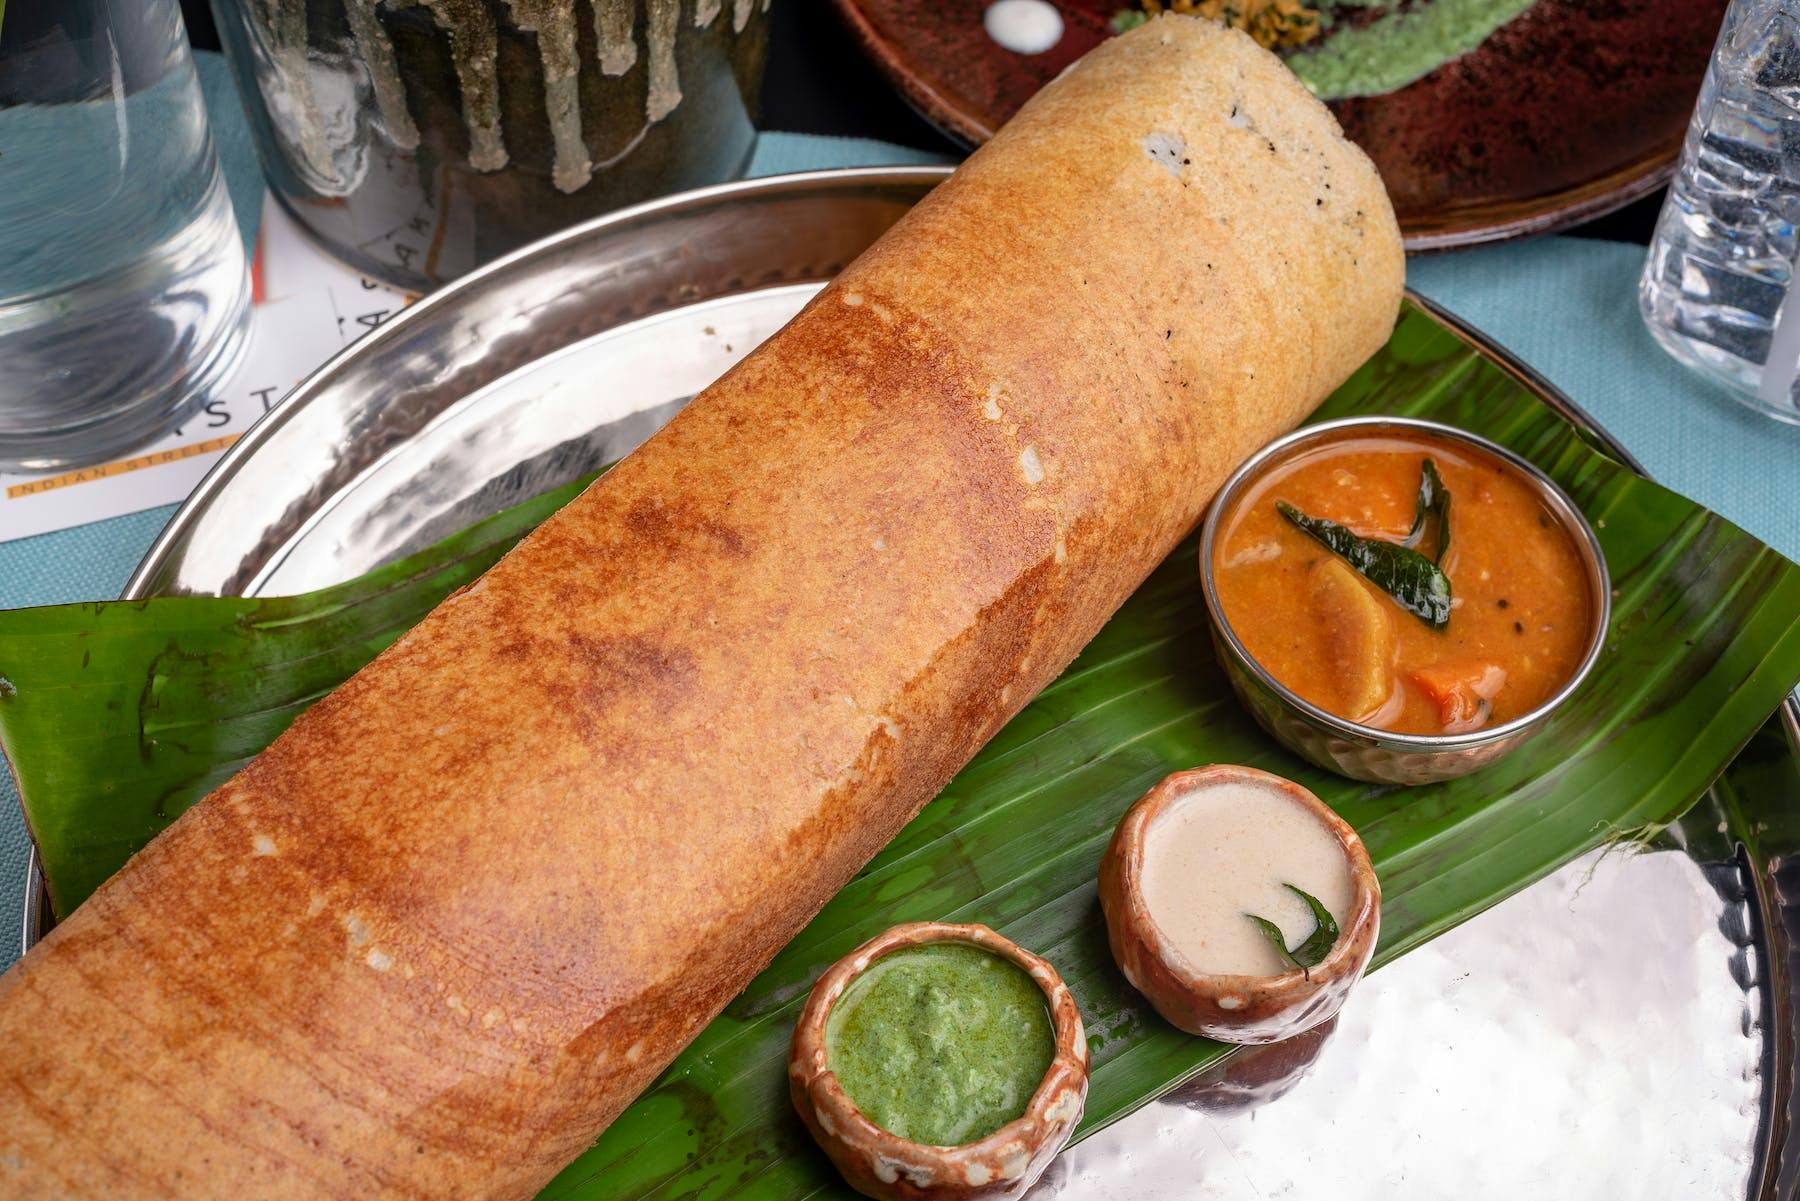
{"x":1277,"y":24}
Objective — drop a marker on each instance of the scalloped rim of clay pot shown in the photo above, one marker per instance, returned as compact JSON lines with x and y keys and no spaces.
{"x":1233,"y":1008}
{"x":881,"y":1164}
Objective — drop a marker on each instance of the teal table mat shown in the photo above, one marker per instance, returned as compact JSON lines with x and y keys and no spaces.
{"x":1567,"y":306}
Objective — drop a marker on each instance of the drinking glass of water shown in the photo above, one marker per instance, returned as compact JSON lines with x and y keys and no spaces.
{"x":123,"y":293}
{"x":1718,"y":289}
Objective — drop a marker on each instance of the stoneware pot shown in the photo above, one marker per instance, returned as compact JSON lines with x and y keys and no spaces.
{"x":1236,"y":1009}
{"x":419,"y":139}
{"x":881,"y":1164}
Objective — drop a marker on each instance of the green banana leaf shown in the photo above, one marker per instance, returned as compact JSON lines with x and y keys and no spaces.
{"x":118,"y":716}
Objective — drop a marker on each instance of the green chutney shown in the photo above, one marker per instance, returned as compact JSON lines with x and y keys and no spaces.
{"x":1399,"y":46}
{"x":941,"y":1043}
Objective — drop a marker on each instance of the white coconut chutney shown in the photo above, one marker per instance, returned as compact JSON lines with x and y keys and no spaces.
{"x":1227,"y":849}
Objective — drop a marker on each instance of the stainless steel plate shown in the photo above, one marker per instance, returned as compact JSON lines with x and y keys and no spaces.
{"x":1623,"y":1029}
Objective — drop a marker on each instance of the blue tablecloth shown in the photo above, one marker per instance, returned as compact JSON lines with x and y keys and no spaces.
{"x":1567,"y":306}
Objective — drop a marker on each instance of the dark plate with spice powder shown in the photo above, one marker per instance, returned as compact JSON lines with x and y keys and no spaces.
{"x":1565,"y":110}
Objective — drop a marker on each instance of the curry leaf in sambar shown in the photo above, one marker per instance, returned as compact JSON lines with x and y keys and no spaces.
{"x":1433,"y":505}
{"x":1416,"y":583}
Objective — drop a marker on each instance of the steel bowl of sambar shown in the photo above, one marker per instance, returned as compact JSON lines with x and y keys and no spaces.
{"x":1398,"y":600}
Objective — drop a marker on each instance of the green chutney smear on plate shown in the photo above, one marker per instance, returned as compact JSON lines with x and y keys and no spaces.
{"x":941,"y":1043}
{"x":1398,"y":47}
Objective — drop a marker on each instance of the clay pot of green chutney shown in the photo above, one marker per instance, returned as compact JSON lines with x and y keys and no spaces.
{"x":418,"y":139}
{"x":918,"y":1066}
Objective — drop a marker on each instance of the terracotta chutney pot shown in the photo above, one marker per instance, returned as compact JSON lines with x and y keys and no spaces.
{"x":1231,"y":1008}
{"x":881,"y":1164}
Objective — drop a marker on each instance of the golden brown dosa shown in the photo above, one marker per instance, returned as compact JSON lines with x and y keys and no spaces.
{"x":438,"y":935}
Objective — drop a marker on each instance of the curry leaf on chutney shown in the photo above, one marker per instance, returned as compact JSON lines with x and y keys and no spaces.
{"x":1314,"y":947}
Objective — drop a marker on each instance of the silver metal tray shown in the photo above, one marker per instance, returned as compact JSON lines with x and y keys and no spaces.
{"x":1624,"y":1029}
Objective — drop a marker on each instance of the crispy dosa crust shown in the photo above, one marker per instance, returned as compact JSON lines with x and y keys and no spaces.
{"x":434,"y":939}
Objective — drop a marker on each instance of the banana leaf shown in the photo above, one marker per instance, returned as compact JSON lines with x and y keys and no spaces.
{"x":116,"y":717}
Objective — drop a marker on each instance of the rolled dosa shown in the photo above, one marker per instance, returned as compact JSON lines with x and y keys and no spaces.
{"x":437,"y":936}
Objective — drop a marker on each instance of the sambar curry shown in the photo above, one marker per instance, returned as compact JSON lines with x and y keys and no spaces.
{"x":1405,"y":582}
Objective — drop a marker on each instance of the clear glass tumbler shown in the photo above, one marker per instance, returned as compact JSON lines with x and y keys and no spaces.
{"x":123,"y":291}
{"x":1718,"y":288}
